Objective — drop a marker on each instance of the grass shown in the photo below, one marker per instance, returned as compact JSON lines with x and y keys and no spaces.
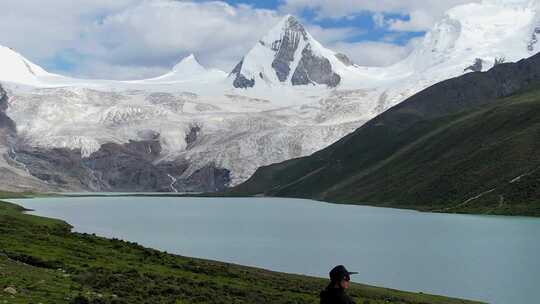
{"x":462,"y":157}
{"x":47,"y":263}
{"x":4,"y":195}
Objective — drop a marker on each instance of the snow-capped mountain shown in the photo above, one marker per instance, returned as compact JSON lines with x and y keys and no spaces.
{"x":16,"y":68}
{"x":288,"y":97}
{"x":188,"y":70}
{"x":288,"y":54}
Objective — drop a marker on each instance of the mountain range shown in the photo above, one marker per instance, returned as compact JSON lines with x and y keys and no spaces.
{"x":199,"y":129}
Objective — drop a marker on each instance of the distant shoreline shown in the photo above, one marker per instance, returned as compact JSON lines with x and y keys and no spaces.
{"x":424,"y":209}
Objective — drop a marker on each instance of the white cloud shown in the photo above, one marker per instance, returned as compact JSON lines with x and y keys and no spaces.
{"x":372,"y":53}
{"x":378,"y":19}
{"x":423,"y":14}
{"x":328,"y":36}
{"x":40,"y":30}
{"x":420,"y":20}
{"x":132,"y":38}
{"x":154,"y":32}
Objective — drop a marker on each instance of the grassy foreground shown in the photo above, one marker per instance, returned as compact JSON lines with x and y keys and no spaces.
{"x":42,"y":261}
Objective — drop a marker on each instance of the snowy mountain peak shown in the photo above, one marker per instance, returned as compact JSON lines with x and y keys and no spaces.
{"x":15,"y":68}
{"x":189,"y":64}
{"x":476,"y":36}
{"x":288,"y":55}
{"x":188,"y":70}
{"x":288,"y":26}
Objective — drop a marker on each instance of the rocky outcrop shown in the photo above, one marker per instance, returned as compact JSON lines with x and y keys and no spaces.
{"x":213,"y":178}
{"x":240,"y":81}
{"x":476,"y":66}
{"x":13,"y":175}
{"x":192,"y":135}
{"x":313,"y":69}
{"x":129,"y":167}
{"x":499,"y":60}
{"x":135,"y":166}
{"x":534,"y":39}
{"x":286,"y":47}
{"x":344,"y":59}
{"x":56,"y":167}
{"x":7,"y":126}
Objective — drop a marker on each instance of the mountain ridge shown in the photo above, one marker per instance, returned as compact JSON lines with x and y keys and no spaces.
{"x":398,"y":160}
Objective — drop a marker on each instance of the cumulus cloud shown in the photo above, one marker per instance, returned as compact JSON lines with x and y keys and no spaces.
{"x":155,"y":32}
{"x":40,"y":31}
{"x":422,"y":14}
{"x":132,"y":38}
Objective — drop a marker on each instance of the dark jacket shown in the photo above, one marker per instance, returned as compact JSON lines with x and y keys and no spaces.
{"x":335,"y":296}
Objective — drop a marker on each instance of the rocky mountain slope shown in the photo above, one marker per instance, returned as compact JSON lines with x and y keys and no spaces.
{"x":288,"y":54}
{"x":198,"y":129}
{"x":14,"y":176}
{"x":467,"y":144}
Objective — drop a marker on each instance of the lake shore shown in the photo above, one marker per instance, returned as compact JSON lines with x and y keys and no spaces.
{"x":464,"y":209}
{"x":44,"y":261}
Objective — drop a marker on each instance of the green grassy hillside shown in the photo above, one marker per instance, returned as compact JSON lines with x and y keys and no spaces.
{"x":458,"y":146}
{"x":43,"y":262}
{"x":455,"y":159}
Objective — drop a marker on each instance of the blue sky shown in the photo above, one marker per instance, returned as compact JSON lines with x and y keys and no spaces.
{"x":127,"y":39}
{"x":267,"y":4}
{"x":363,"y":21}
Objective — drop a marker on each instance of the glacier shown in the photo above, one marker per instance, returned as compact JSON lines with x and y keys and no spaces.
{"x":288,"y":97}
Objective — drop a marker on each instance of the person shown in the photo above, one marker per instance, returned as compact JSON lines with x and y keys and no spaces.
{"x":335,"y":291}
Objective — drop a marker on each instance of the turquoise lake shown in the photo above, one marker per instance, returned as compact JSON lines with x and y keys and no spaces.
{"x":488,"y":258}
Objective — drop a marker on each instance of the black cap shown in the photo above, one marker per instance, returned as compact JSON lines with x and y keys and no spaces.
{"x":339,"y":273}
